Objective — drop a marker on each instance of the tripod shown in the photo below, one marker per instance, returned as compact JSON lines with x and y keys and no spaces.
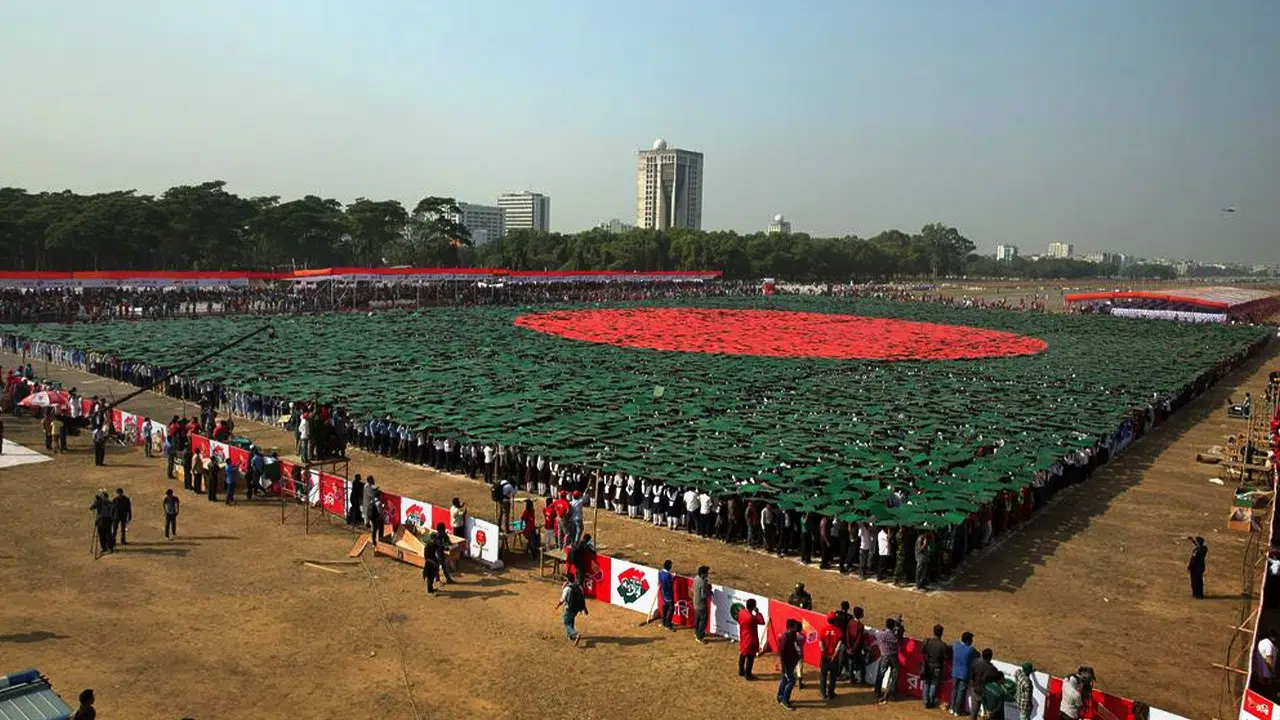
{"x":93,"y":545}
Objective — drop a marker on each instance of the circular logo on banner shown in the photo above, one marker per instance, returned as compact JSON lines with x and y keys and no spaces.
{"x":779,"y":333}
{"x":481,"y":537}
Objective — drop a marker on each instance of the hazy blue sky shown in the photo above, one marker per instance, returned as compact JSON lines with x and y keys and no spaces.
{"x":1113,"y":124}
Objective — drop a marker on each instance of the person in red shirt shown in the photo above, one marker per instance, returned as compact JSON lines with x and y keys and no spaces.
{"x":853,"y":644}
{"x":549,"y":524}
{"x":831,"y":642}
{"x":749,"y":622}
{"x":529,"y":527}
{"x":561,"y":506}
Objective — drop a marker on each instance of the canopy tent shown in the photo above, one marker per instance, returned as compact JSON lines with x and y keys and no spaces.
{"x":1231,"y":301}
{"x":177,"y":279}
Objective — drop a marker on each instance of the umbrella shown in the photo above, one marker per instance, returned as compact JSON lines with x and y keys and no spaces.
{"x":57,"y":399}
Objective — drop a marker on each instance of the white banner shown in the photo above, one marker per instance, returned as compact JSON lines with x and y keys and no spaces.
{"x":482,"y":542}
{"x":415,"y":513}
{"x":725,"y":604}
{"x":634,"y":587}
{"x":313,"y":487}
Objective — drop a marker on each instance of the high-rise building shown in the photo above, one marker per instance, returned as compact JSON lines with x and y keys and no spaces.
{"x":1006,"y":253}
{"x":525,"y":211}
{"x":779,"y":226}
{"x":668,"y":188}
{"x":484,"y":221}
{"x":1060,"y":250}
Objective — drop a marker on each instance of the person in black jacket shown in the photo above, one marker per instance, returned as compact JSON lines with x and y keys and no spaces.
{"x":103,"y":512}
{"x":1195,"y":567}
{"x":121,"y":518}
{"x":983,"y":672}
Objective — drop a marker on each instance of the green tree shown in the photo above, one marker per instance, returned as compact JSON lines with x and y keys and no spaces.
{"x":375,"y":226}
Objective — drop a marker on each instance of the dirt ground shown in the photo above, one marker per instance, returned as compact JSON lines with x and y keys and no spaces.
{"x":225,"y":623}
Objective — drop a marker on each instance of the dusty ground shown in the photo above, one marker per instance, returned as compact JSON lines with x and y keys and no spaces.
{"x":224,"y":623}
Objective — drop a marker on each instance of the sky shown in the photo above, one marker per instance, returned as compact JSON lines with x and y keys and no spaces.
{"x":1116,"y":125}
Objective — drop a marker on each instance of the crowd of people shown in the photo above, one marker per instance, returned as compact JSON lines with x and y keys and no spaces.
{"x":66,"y":304}
{"x":1037,"y":302}
{"x":900,"y":555}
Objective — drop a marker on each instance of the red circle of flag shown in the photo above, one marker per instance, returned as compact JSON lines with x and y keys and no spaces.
{"x":779,"y":333}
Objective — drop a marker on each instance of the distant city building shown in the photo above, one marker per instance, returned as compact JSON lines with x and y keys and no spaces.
{"x":1101,"y":258}
{"x":1060,"y":250}
{"x":484,"y":221}
{"x":1124,"y":259}
{"x":779,"y":226}
{"x":525,"y":211}
{"x":1182,"y":267}
{"x":614,"y":226}
{"x":1006,"y":253}
{"x":668,"y":188}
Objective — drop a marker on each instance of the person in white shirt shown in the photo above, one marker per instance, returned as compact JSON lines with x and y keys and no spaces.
{"x":458,"y":518}
{"x":705,"y":517}
{"x":866,"y":548}
{"x":886,"y":554}
{"x":691,"y":510}
{"x":673,"y":507}
{"x":488,"y":464}
{"x":304,"y":439}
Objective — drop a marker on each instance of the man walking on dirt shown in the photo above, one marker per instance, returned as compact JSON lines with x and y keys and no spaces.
{"x":574,"y":601}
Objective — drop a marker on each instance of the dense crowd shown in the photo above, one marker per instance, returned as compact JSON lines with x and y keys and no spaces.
{"x":103,"y":304}
{"x":901,"y":555}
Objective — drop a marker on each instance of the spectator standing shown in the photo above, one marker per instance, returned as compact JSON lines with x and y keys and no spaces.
{"x":962,"y":659}
{"x":790,"y":651}
{"x":170,"y":506}
{"x":122,"y":515}
{"x":1196,"y":566}
{"x":982,"y":674}
{"x":749,"y":623}
{"x":667,"y":591}
{"x":1024,"y":691}
{"x":935,"y":658}
{"x":888,"y":640}
{"x":458,"y":517}
{"x":801,"y":598}
{"x":831,"y":642}
{"x":701,"y":603}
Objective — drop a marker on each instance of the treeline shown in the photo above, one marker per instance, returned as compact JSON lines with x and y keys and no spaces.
{"x":206,"y":227}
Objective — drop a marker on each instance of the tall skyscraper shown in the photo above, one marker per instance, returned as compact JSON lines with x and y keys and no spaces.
{"x":525,"y":211}
{"x":668,"y":188}
{"x":484,"y":221}
{"x":1006,"y":253}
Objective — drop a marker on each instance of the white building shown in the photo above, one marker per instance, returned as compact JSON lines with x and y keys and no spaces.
{"x":779,"y":226}
{"x":668,"y":188}
{"x":484,"y":221}
{"x":1006,"y":253}
{"x":614,"y":226}
{"x":1060,"y":250}
{"x":1101,"y":258}
{"x":525,"y":211}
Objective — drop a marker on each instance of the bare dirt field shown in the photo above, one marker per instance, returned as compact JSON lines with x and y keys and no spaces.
{"x":225,"y":623}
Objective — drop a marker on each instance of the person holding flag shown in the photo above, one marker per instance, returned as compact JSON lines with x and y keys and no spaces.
{"x":749,"y":622}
